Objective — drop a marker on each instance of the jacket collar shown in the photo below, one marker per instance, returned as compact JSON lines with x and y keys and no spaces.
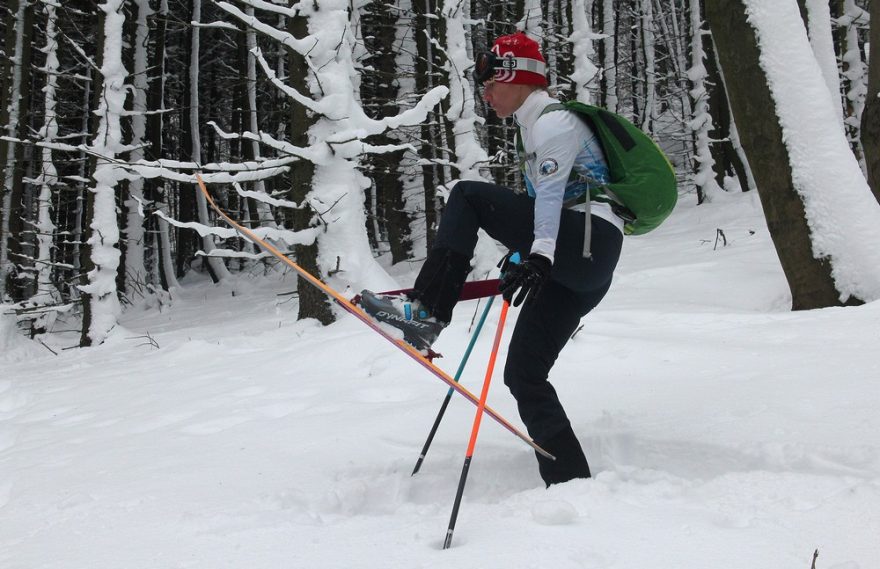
{"x":532,"y":107}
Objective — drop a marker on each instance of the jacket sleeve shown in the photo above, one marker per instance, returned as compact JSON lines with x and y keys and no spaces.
{"x":556,"y":141}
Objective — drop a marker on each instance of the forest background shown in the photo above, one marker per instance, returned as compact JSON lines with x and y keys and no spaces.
{"x":336,"y":128}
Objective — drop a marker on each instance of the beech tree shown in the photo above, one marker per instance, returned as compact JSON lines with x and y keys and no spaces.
{"x":816,"y":212}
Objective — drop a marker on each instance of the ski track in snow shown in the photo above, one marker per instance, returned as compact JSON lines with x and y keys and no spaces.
{"x":722,"y":430}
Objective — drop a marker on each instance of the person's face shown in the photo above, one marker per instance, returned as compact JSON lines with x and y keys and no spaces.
{"x":505,"y":98}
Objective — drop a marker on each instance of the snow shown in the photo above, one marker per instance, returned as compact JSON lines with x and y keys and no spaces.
{"x":217,"y":431}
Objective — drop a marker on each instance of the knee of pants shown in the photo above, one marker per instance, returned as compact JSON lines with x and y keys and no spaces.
{"x":463,"y":189}
{"x":526,"y":379}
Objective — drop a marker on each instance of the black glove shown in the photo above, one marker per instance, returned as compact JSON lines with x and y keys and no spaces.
{"x":528,"y":277}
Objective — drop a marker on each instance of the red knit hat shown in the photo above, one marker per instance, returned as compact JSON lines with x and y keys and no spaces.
{"x":529,"y":67}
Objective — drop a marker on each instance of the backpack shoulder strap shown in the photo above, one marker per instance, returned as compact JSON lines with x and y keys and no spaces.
{"x":554,"y":107}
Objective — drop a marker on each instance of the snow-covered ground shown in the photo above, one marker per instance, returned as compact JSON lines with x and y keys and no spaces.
{"x":723,"y":431}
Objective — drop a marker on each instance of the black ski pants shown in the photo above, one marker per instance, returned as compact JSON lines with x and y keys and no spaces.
{"x":575,"y":287}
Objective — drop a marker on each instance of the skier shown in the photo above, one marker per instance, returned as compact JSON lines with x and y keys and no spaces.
{"x":564,"y":274}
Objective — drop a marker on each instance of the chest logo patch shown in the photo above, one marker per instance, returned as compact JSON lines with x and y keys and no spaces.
{"x":548,"y":167}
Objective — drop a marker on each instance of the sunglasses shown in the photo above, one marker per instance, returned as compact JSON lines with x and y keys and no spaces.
{"x":487,"y":63}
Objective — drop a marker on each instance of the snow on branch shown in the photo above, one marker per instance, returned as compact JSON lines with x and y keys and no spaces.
{"x":230,"y":254}
{"x":216,"y":25}
{"x":326,"y":109}
{"x":336,"y":107}
{"x":301,"y":46}
{"x":304,"y":237}
{"x":290,"y":12}
{"x":264,"y":197}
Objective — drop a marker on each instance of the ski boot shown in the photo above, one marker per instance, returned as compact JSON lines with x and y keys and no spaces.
{"x":420,"y":329}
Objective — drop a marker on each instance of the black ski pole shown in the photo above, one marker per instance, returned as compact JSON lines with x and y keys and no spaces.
{"x":464,"y":360}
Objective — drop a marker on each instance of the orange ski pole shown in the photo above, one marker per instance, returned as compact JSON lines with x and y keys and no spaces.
{"x":481,"y":406}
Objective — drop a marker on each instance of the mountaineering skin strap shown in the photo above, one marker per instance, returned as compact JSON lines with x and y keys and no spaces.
{"x":470,"y":290}
{"x":588,"y":230}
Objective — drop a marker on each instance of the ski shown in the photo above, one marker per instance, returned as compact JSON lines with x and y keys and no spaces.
{"x":363,"y":317}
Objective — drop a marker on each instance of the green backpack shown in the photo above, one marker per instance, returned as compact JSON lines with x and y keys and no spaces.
{"x":642,"y":189}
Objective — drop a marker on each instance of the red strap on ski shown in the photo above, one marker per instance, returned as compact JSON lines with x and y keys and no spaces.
{"x":470,"y":290}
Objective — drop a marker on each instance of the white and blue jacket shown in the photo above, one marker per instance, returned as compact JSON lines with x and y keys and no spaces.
{"x":562,"y":160}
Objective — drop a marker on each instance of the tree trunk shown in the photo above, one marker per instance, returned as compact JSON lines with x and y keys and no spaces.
{"x":313,"y":303}
{"x":13,"y":258}
{"x":754,"y":110}
{"x":854,"y":73}
{"x":46,"y":291}
{"x":135,"y":268}
{"x":159,"y":262}
{"x":584,"y":72}
{"x":381,"y":86}
{"x":100,"y":295}
{"x":647,"y":36}
{"x":609,"y":56}
{"x":215,"y":266}
{"x":701,"y":122}
{"x":871,"y":113}
{"x":816,"y":15}
{"x":187,"y":240}
{"x":260,"y":210}
{"x":431,"y":175}
{"x":12,"y":18}
{"x":724,"y":152}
